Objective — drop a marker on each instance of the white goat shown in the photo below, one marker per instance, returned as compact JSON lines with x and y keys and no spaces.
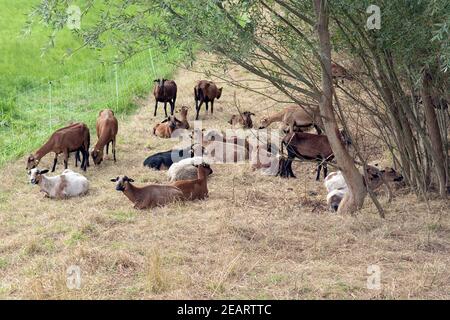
{"x":68,"y":184}
{"x":185,"y":169}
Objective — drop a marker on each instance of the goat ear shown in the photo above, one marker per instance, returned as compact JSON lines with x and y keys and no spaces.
{"x":165,"y":120}
{"x":130,"y":180}
{"x":252,"y":114}
{"x":156,"y":80}
{"x":114,"y":179}
{"x":43,"y":171}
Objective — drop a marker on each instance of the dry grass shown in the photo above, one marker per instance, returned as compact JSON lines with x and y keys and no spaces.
{"x":255,"y":237}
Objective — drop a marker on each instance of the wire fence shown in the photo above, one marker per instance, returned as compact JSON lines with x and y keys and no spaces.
{"x":28,"y":119}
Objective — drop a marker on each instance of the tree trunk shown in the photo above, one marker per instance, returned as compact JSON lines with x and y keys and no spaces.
{"x":434,"y":132}
{"x":354,"y":198}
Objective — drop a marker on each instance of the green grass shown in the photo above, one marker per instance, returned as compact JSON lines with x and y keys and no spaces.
{"x":31,"y":108}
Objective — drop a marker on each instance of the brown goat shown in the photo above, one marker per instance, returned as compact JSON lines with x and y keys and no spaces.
{"x":308,"y":146}
{"x":295,"y":116}
{"x":206,"y":91}
{"x":184,"y":124}
{"x":338,"y":72}
{"x":149,"y":196}
{"x":165,"y":91}
{"x":107,"y":127}
{"x":72,"y":138}
{"x":166,"y":127}
{"x":197,"y":188}
{"x":244,"y":120}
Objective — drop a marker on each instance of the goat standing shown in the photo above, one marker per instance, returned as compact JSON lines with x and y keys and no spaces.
{"x":73,"y":138}
{"x":206,"y":91}
{"x":165,"y":91}
{"x":107,"y":127}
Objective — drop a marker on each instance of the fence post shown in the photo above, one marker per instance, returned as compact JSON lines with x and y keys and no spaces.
{"x":151,"y":61}
{"x":50,"y":102}
{"x":117,"y":87}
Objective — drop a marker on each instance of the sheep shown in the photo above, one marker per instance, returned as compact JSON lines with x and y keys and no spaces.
{"x":308,"y":146}
{"x":301,"y":118}
{"x":185,"y":169}
{"x":107,"y":127}
{"x":337,"y":187}
{"x":165,"y":91}
{"x":196,"y":188}
{"x":66,"y":185}
{"x":243,"y":120}
{"x":72,"y":138}
{"x":163,"y":160}
{"x":206,"y":91}
{"x":166,"y":127}
{"x":295,"y":116}
{"x":149,"y":196}
{"x":339,"y":72}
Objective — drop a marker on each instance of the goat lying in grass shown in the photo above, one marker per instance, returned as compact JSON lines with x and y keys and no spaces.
{"x":337,"y":187}
{"x":185,"y":169}
{"x":196,"y":188}
{"x":149,"y":196}
{"x":244,"y":120}
{"x":68,"y":184}
{"x":163,"y":160}
{"x":166,"y":127}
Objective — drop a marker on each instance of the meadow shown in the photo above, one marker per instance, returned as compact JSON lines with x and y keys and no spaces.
{"x":41,"y":91}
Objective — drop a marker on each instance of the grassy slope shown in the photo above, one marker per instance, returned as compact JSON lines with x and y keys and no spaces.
{"x":255,"y":237}
{"x":29,"y":112}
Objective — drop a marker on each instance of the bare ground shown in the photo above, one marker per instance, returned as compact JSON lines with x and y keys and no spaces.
{"x":256,"y":237}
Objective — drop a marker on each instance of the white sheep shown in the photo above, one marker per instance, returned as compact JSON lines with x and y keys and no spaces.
{"x":185,"y":169}
{"x":68,"y":184}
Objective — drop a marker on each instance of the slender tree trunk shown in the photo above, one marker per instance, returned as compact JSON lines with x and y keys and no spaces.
{"x":354,"y":198}
{"x":434,"y":132}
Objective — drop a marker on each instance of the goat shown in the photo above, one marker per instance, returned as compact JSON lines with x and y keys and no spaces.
{"x":337,"y":187}
{"x":244,"y":120}
{"x":165,"y":91}
{"x":206,"y":91}
{"x":196,"y":188}
{"x":295,"y":116}
{"x":338,"y":72}
{"x":163,"y":160}
{"x":107,"y":127}
{"x":149,"y":196}
{"x":308,"y":146}
{"x":166,"y":127}
{"x":66,"y":185}
{"x":185,"y":169}
{"x":183,"y":123}
{"x":301,"y":118}
{"x":73,"y":138}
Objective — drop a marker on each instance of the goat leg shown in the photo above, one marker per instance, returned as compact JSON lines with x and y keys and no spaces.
{"x":54,"y":162}
{"x":165,"y":108}
{"x":66,"y":159}
{"x":156,"y":108}
{"x":107,"y":147}
{"x":212,"y":106}
{"x":114,"y":149}
{"x":319,"y":167}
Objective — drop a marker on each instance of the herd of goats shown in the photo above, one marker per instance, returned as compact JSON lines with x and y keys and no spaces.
{"x":189,"y":167}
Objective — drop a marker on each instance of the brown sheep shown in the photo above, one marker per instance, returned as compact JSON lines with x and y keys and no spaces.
{"x":166,"y":127}
{"x":165,"y":91}
{"x":149,"y":196}
{"x":107,"y":127}
{"x":72,"y":138}
{"x":206,"y":91}
{"x":197,"y":188}
{"x":244,"y":120}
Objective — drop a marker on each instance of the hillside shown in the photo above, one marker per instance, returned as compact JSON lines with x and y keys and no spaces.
{"x":256,"y":237}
